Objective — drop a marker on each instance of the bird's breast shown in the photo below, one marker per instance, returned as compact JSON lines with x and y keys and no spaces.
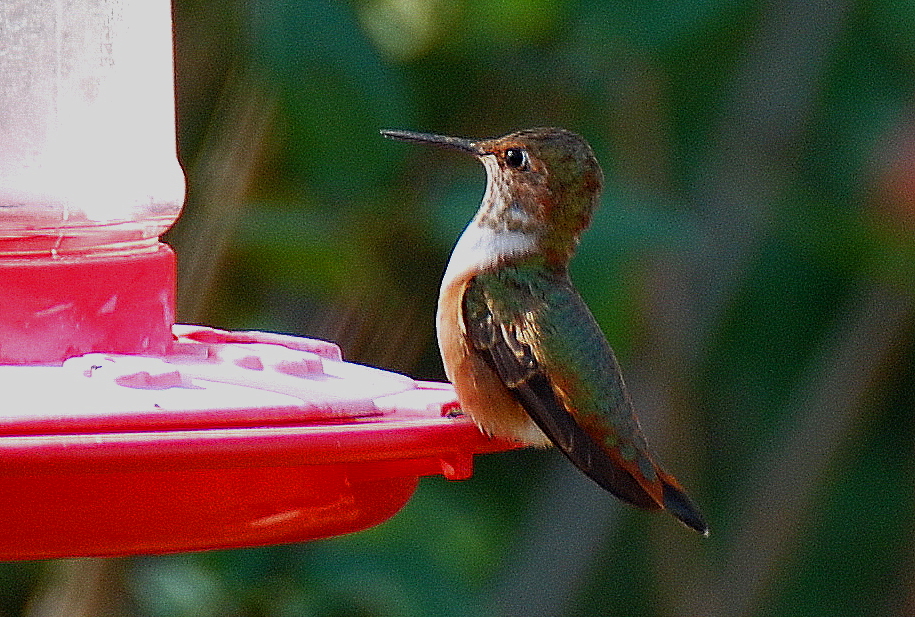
{"x":481,"y":393}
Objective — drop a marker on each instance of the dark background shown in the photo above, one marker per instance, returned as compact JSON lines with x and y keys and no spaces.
{"x":752,"y":264}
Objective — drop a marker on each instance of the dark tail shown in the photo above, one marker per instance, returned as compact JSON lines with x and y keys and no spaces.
{"x":537,"y":397}
{"x":678,"y":504}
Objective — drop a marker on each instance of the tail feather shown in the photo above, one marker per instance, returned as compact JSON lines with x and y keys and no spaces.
{"x":677,"y":503}
{"x":623,"y":479}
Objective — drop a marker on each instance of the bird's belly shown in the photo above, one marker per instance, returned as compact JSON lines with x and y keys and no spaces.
{"x":481,"y":393}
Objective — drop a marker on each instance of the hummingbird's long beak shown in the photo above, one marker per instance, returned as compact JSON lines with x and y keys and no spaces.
{"x":442,"y":141}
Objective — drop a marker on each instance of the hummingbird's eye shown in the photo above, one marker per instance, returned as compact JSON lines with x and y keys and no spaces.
{"x":515,"y":157}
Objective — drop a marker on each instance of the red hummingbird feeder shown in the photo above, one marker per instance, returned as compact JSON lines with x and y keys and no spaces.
{"x":120,"y":432}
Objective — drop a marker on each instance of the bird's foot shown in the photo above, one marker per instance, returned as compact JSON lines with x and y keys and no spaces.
{"x":452,"y":409}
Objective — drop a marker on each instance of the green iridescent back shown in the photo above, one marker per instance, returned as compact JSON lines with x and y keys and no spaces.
{"x":539,"y":307}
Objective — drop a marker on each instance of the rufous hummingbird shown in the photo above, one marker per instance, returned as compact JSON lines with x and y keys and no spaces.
{"x":526,"y":357}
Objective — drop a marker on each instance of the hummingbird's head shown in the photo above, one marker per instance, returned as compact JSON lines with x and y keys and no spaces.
{"x":542,"y":182}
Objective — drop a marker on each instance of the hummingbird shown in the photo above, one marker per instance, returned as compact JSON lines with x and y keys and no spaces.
{"x":527,"y":359}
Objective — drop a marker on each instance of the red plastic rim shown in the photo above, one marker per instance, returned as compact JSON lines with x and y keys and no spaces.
{"x":136,"y":477}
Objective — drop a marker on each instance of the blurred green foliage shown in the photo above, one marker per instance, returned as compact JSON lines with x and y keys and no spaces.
{"x":752,"y":263}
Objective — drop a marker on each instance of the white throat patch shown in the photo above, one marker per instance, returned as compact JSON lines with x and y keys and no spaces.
{"x":481,"y":246}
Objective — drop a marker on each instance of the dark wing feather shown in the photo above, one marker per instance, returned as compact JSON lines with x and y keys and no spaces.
{"x":498,"y":329}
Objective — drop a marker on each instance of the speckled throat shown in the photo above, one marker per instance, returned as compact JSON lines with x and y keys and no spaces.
{"x":501,"y":209}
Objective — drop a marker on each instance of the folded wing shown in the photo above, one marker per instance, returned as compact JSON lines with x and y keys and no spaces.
{"x":533,"y":329}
